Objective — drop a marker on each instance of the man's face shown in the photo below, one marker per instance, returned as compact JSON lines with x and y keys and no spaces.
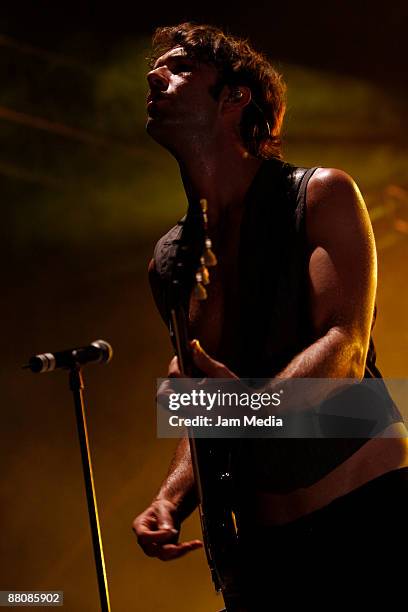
{"x":180,"y":103}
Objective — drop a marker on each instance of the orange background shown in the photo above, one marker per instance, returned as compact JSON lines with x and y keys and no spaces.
{"x":85,"y":195}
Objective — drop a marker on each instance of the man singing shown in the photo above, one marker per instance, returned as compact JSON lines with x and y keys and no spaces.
{"x":292,"y":296}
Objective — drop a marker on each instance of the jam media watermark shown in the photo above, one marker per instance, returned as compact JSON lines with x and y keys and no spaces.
{"x":220,"y":421}
{"x":292,"y":408}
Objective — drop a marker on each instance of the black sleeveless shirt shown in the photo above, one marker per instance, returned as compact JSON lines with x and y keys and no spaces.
{"x":274,"y":319}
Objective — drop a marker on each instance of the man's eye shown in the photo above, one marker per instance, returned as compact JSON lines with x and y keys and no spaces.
{"x":182,"y":68}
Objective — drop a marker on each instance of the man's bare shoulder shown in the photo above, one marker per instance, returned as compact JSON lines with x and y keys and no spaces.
{"x":331,"y":184}
{"x":334,"y":204}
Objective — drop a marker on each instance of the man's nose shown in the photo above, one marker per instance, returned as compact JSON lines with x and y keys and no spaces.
{"x":157,"y":80}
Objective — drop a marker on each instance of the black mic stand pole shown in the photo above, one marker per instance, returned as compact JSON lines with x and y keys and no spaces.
{"x":76,"y":384}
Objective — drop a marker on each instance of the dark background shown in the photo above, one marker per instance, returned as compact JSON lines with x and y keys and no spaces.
{"x":84,"y":197}
{"x":361,"y":38}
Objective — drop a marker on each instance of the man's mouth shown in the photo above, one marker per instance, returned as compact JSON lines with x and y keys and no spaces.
{"x":153,"y":104}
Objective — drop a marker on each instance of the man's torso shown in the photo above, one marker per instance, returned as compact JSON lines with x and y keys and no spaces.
{"x":217,"y":324}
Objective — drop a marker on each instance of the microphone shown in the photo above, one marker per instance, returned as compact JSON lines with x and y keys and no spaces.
{"x":99,"y":351}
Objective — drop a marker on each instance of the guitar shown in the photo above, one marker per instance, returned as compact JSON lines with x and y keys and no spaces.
{"x":211,"y":458}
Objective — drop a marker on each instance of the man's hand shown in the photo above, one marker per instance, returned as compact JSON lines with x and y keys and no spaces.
{"x":209,"y":367}
{"x":206,"y":364}
{"x":157,"y":530}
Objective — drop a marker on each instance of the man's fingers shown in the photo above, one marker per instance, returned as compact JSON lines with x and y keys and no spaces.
{"x":174,"y":368}
{"x":207,"y":364}
{"x":167,"y":552}
{"x":163,"y":393}
{"x":159,"y":536}
{"x":152,"y":541}
{"x":164,"y":550}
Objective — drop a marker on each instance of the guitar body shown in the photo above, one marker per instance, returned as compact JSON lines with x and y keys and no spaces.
{"x":212,"y":462}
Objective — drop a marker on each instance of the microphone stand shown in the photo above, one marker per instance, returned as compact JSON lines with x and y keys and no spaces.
{"x":76,"y":384}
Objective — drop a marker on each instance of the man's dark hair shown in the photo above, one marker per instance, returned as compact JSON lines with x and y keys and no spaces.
{"x":237,"y":64}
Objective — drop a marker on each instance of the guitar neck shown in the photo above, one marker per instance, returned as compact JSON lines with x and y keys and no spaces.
{"x":179,"y":333}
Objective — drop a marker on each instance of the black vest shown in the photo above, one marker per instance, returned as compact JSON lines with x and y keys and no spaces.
{"x":274,"y":322}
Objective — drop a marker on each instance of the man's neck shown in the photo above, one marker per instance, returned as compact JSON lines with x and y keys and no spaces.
{"x":221,"y":174}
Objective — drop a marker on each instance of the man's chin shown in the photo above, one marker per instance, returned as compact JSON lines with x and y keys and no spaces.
{"x":156,"y":130}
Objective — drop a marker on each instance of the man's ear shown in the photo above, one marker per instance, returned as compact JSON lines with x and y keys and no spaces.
{"x":235,"y":97}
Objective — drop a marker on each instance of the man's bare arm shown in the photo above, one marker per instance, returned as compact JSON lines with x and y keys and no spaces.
{"x":179,"y":487}
{"x":342,"y":279}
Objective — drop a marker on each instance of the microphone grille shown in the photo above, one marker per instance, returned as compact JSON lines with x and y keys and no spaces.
{"x":106,"y":350}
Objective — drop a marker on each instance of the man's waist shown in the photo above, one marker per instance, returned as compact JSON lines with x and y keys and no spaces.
{"x":377,"y":456}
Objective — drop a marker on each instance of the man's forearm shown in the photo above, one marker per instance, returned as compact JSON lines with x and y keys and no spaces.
{"x":334,"y":355}
{"x":179,"y":485}
{"x":332,"y":358}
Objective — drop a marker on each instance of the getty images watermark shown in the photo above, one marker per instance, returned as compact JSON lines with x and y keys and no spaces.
{"x":263,"y":408}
